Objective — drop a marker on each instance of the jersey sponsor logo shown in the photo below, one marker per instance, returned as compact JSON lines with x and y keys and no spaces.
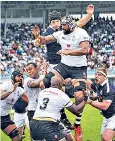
{"x":12,"y":100}
{"x":68,"y":45}
{"x":50,"y":92}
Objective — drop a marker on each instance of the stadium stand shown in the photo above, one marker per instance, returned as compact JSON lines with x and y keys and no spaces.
{"x":17,"y":47}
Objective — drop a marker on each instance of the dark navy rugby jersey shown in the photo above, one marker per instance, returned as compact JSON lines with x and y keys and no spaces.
{"x":52,"y":48}
{"x":106,"y":92}
{"x":20,"y":106}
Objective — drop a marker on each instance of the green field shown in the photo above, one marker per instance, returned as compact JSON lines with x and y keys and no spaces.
{"x":91,"y":125}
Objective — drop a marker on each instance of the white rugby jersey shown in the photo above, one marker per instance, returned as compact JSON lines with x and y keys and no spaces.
{"x":7,"y":103}
{"x":50,"y":102}
{"x":32,"y":94}
{"x":71,"y":42}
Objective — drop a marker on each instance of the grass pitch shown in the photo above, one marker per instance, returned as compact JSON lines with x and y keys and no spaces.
{"x":91,"y":125}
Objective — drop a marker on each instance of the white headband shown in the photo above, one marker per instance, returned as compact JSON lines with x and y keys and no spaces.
{"x":102,"y":73}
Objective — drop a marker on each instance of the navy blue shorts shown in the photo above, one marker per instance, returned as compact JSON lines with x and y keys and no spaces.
{"x":71,"y":72}
{"x":30,"y":115}
{"x":6,"y":121}
{"x":48,"y":130}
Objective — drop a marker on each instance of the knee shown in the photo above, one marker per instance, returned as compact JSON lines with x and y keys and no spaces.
{"x":14,"y":133}
{"x":105,"y":137}
{"x":78,"y":91}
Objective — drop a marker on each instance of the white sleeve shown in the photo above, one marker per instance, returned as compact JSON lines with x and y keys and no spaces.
{"x":56,"y":35}
{"x":20,"y":91}
{"x":83,"y":36}
{"x":26,"y":81}
{"x":66,"y":101}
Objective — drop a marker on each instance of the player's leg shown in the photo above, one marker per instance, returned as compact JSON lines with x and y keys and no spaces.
{"x":58,"y":70}
{"x":108,"y":129}
{"x":68,"y":89}
{"x":20,"y":120}
{"x":78,"y":73}
{"x":9,"y":128}
{"x":61,"y":72}
{"x":48,"y":130}
{"x":66,"y":132}
{"x":78,"y":94}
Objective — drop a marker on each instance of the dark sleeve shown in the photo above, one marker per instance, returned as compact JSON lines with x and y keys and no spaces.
{"x":45,"y":33}
{"x":20,"y":106}
{"x":93,"y":87}
{"x":108,"y":96}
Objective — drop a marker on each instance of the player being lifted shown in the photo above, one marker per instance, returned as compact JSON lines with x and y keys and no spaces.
{"x":74,"y":43}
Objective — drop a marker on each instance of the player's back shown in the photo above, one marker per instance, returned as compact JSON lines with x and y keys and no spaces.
{"x":50,"y":102}
{"x":32,"y":94}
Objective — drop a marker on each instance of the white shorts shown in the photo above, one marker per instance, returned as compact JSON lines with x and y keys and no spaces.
{"x":20,"y":119}
{"x":108,"y":123}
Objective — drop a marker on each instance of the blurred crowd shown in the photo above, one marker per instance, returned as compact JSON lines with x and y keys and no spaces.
{"x":102,"y":38}
{"x":17,"y":48}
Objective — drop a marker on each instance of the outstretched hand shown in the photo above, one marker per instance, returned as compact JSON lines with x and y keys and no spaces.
{"x":90,"y":9}
{"x":36,"y":31}
{"x":15,"y":85}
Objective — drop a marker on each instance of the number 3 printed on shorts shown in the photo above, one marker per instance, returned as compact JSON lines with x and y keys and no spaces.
{"x":44,"y":105}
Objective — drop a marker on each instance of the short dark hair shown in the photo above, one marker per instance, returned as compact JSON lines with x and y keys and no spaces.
{"x":32,"y":63}
{"x":16,"y":73}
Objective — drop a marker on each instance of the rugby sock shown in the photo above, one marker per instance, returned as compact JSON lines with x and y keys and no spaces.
{"x":78,"y":120}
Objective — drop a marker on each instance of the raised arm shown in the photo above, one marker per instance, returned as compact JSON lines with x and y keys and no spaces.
{"x":35,"y":83}
{"x":41,"y":40}
{"x":4,"y":94}
{"x":85,"y":19}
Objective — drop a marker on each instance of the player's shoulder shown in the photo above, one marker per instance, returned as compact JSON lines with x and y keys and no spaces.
{"x":59,"y":32}
{"x":80,"y":30}
{"x":26,"y":80}
{"x":61,"y":93}
{"x":82,"y":33}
